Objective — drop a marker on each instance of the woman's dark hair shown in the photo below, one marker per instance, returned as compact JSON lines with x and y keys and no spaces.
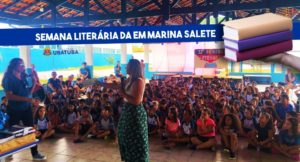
{"x":294,"y":123}
{"x":135,"y":70}
{"x":13,"y":64}
{"x":174,"y":113}
{"x":233,"y":119}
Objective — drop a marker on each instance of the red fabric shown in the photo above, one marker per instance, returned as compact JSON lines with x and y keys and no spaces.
{"x":171,"y":126}
{"x":208,"y":122}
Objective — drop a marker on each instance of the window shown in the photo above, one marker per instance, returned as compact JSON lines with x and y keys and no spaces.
{"x":97,"y":50}
{"x":108,"y":51}
{"x":229,"y":66}
{"x":278,"y":68}
{"x":236,"y":67}
{"x":53,"y":47}
{"x":252,"y":66}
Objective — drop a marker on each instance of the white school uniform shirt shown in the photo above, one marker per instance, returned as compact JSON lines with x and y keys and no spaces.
{"x":42,"y":124}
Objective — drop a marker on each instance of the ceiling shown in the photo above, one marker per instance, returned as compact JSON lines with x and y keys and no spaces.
{"x":135,"y":12}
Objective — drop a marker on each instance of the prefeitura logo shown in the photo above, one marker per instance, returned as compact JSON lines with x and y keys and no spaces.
{"x":47,"y":51}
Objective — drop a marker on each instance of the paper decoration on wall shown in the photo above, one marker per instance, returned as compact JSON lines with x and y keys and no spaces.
{"x":209,"y":55}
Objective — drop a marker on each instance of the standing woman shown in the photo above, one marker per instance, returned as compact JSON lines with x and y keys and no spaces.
{"x":19,"y":98}
{"x":132,"y":128}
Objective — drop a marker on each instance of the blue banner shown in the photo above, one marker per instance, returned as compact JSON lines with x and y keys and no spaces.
{"x":101,"y":35}
{"x":296,"y":31}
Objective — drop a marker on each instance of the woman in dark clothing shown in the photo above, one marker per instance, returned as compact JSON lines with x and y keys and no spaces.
{"x":19,"y":98}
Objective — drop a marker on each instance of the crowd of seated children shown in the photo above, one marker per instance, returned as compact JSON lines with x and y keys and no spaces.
{"x":189,"y":111}
{"x":220,"y":108}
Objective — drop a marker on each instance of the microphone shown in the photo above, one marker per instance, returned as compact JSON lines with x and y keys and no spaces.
{"x":27,"y":79}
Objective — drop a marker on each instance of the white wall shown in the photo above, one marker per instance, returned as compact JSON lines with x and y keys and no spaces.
{"x":175,"y":57}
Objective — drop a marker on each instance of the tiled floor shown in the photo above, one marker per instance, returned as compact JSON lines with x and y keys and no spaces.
{"x":62,"y":149}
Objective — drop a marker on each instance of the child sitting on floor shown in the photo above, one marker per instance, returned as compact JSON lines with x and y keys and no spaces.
{"x":248,"y":122}
{"x":229,"y":130}
{"x":288,"y":143}
{"x":162,"y":113}
{"x":42,"y":124}
{"x":83,"y":126}
{"x":70,"y":118}
{"x":172,"y":127}
{"x":153,"y":121}
{"x":206,"y":132}
{"x":53,"y":116}
{"x":188,"y":125}
{"x":188,"y":129}
{"x":104,"y":127}
{"x":264,"y":132}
